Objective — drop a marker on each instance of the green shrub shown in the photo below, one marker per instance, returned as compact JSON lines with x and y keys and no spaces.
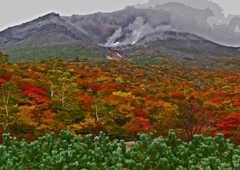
{"x":100,"y":153}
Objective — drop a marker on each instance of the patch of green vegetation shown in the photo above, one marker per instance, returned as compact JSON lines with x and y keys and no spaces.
{"x":66,"y":51}
{"x":150,"y":59}
{"x":186,"y":51}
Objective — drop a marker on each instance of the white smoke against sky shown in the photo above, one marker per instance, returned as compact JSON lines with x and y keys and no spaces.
{"x":145,"y":22}
{"x":138,"y":30}
{"x":111,"y":41}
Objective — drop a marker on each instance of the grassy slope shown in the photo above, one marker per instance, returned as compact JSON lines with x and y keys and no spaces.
{"x":66,"y":51}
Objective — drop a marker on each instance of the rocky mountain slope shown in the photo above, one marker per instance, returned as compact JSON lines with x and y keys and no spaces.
{"x":121,"y":33}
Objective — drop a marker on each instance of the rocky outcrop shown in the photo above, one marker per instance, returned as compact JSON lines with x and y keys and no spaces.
{"x":129,"y":145}
{"x":112,"y":55}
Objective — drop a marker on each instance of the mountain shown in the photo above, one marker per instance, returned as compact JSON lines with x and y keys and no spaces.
{"x":117,"y":35}
{"x":45,"y":37}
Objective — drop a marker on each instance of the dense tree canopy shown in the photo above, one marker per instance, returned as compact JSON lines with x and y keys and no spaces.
{"x":119,"y":98}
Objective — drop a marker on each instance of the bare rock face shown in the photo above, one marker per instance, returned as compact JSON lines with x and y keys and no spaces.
{"x":112,"y":55}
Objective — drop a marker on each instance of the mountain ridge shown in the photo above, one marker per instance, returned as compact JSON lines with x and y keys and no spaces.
{"x":128,"y":32}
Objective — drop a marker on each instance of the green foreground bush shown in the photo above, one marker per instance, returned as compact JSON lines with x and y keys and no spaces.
{"x":99,"y":153}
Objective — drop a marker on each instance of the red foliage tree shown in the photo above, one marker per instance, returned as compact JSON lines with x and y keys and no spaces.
{"x":37,"y":97}
{"x":86,"y":102}
{"x":139,"y":125}
{"x":140,"y":112}
{"x":95,"y":87}
{"x":230,"y":127}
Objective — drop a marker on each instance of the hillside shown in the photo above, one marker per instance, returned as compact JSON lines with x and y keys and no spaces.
{"x":120,"y":98}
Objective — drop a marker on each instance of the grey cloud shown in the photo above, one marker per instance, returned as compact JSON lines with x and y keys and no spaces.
{"x":197,"y":4}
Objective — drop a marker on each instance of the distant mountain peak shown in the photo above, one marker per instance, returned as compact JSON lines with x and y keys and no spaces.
{"x":127,"y":32}
{"x":49,"y":15}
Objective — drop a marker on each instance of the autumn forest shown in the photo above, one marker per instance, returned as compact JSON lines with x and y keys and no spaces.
{"x":119,"y":98}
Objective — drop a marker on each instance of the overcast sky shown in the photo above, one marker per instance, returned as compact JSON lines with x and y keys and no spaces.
{"x":15,"y":12}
